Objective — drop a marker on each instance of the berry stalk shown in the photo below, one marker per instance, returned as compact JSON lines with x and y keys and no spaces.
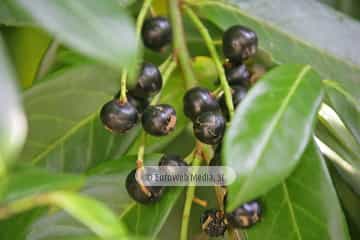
{"x":139,"y":23}
{"x":209,"y":43}
{"x":179,"y":44}
{"x":190,"y":194}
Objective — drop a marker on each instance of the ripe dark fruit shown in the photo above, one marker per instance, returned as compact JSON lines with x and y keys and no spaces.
{"x":238,"y":75}
{"x":238,"y":94}
{"x":246,"y":215}
{"x":159,"y":120}
{"x":148,"y":83}
{"x":239,"y":43}
{"x":209,"y":127}
{"x":138,"y":103}
{"x":172,"y":161}
{"x":140,"y":193}
{"x":213,"y":223}
{"x":156,"y":33}
{"x":118,"y":117}
{"x":198,"y":100}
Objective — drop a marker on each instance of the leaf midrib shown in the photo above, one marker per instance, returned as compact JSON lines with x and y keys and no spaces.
{"x":62,"y":139}
{"x":275,"y":122}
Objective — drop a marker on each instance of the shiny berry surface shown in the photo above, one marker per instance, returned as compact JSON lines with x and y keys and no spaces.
{"x":156,"y":33}
{"x":209,"y":127}
{"x":239,"y":43}
{"x":238,"y":93}
{"x":246,"y":215}
{"x":140,"y":193}
{"x":159,"y":120}
{"x":213,"y":223}
{"x":172,"y":161}
{"x":198,"y":100}
{"x":118,"y":117}
{"x":149,"y":82}
{"x":238,"y":75}
{"x":138,"y":103}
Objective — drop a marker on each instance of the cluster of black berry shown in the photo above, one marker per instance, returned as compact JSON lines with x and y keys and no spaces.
{"x":207,"y":111}
{"x":215,"y":222}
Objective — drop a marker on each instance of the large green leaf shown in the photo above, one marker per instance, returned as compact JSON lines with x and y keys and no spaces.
{"x":305,"y":206}
{"x":12,"y":119}
{"x":95,"y":28}
{"x":28,"y":181}
{"x":90,"y":212}
{"x":107,"y":184}
{"x":65,"y":131}
{"x":25,"y":44}
{"x":270,"y":130}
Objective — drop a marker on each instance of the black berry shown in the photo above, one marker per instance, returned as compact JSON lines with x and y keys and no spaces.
{"x":159,"y":120}
{"x":118,"y":117}
{"x":139,"y":192}
{"x":238,"y":75}
{"x":239,"y":43}
{"x":213,"y":223}
{"x":246,"y":215}
{"x":172,"y":161}
{"x":198,"y":100}
{"x":156,"y":33}
{"x":138,"y":103}
{"x":238,"y":94}
{"x":209,"y":127}
{"x":148,"y":83}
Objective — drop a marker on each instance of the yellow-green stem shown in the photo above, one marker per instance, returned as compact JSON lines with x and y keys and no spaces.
{"x":209,"y":43}
{"x":139,"y":22}
{"x":179,"y":44}
{"x":190,"y":193}
{"x":166,"y":75}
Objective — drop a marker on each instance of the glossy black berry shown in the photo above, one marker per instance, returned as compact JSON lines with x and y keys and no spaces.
{"x":156,"y":33}
{"x":246,"y":215}
{"x":138,"y":103}
{"x":172,"y":161}
{"x":238,"y":75}
{"x":209,"y":127}
{"x":118,"y":117}
{"x":198,"y":100}
{"x":139,"y":192}
{"x":149,"y":82}
{"x":159,"y":120}
{"x":238,"y":94}
{"x":239,"y":43}
{"x":213,"y":223}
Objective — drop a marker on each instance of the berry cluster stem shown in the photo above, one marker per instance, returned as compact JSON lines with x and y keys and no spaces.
{"x":139,"y":23}
{"x":190,"y":194}
{"x":210,"y":45}
{"x":141,"y":151}
{"x":179,"y":44}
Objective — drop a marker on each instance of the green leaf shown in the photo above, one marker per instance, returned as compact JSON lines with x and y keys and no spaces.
{"x":295,"y":38}
{"x":27,"y":47}
{"x":336,"y":128}
{"x":10,"y":15}
{"x":349,"y":198}
{"x":99,"y":30}
{"x":13,"y":125}
{"x":346,"y":106}
{"x":92,"y":213}
{"x":65,"y":132}
{"x":28,"y":181}
{"x":270,"y":130}
{"x":305,"y":206}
